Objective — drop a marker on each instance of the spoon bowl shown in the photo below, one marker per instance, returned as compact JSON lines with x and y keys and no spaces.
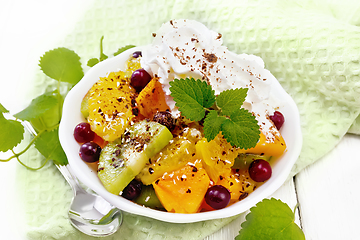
{"x":88,"y":212}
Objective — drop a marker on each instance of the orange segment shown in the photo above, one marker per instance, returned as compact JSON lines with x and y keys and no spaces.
{"x":263,"y":147}
{"x":183,"y":190}
{"x":110,"y":108}
{"x":152,"y":99}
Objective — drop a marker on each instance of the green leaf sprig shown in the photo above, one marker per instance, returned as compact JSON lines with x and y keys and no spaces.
{"x":270,"y":219}
{"x":44,"y":112}
{"x":9,"y":128}
{"x":222,"y":113}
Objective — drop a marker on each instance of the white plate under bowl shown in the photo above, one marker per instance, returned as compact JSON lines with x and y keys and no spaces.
{"x":290,"y":131}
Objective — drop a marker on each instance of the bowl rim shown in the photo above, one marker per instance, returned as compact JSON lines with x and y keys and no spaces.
{"x":291,"y":131}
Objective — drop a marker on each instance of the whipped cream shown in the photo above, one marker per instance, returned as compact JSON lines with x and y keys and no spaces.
{"x":187,"y":48}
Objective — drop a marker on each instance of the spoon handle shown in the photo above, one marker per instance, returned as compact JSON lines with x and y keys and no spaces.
{"x":66,"y":171}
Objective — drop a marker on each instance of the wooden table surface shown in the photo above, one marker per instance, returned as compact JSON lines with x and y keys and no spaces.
{"x":326,"y":192}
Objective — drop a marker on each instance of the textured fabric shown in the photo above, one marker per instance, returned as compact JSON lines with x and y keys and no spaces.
{"x":312,"y":48}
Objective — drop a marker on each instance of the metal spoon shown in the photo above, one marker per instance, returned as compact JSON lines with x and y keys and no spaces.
{"x":88,"y":212}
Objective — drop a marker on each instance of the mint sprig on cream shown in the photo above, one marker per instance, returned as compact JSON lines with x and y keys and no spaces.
{"x":222,"y":113}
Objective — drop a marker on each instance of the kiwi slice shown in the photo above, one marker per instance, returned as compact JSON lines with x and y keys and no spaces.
{"x":120,"y":161}
{"x":148,"y":198}
{"x":84,"y":108}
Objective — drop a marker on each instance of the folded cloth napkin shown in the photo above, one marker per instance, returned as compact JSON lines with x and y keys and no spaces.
{"x":312,"y":48}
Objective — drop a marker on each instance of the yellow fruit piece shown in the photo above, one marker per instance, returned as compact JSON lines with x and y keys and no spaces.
{"x":173,"y":156}
{"x":247,"y":184}
{"x":152,"y":99}
{"x":239,"y":183}
{"x":110,"y":108}
{"x":268,"y":148}
{"x":217,"y":156}
{"x":131,"y":65}
{"x":183,"y":190}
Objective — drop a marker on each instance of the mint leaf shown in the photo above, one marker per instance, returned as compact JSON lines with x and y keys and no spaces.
{"x":207,"y":93}
{"x":270,"y":219}
{"x":48,"y":145}
{"x":62,"y":64}
{"x":195,"y":98}
{"x":92,"y":62}
{"x":3,"y":109}
{"x":38,"y":106}
{"x":123,"y":49}
{"x":231,"y":100}
{"x":192,"y":97}
{"x":12,"y":133}
{"x":241,"y":129}
{"x":212,"y":125}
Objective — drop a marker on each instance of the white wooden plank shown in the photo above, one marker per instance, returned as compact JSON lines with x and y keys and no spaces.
{"x":329,"y":193}
{"x":285,"y":193}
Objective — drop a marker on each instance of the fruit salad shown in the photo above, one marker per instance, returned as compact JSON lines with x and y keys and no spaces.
{"x":148,"y":151}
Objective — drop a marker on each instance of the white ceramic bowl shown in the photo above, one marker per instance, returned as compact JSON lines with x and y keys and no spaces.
{"x":71,"y":117}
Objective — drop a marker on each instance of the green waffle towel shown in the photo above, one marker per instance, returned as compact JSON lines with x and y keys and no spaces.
{"x":312,"y":48}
